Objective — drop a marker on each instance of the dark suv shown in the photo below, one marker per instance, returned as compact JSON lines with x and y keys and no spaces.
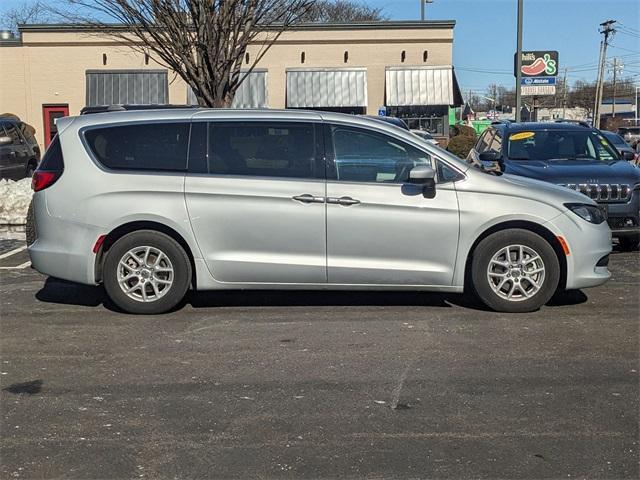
{"x":19,"y":151}
{"x":570,"y":154}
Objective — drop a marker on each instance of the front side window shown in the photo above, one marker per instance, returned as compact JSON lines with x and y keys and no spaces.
{"x":496,"y":144}
{"x":367,"y":156}
{"x":262,"y":149}
{"x":485,"y":141}
{"x":150,"y":146}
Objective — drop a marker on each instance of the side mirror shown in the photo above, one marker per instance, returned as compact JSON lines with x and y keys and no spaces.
{"x":425,"y":176}
{"x":489,"y":156}
{"x":491,"y":162}
{"x":5,"y":141}
{"x":628,"y":156}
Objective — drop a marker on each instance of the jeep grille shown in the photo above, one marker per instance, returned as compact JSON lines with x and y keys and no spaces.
{"x":602,"y":192}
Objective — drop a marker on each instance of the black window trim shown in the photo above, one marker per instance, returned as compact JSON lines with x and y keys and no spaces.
{"x":330,"y":162}
{"x":320,"y":147}
{"x":121,"y":171}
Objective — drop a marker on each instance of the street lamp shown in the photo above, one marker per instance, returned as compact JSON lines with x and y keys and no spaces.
{"x":519,"y":63}
{"x":422,"y":8}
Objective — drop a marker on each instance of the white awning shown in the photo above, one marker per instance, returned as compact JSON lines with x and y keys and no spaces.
{"x":252,"y":92}
{"x":326,"y":87}
{"x":419,"y":86}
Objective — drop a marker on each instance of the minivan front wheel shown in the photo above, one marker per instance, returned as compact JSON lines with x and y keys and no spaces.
{"x":515,"y":271}
{"x":146,"y":272}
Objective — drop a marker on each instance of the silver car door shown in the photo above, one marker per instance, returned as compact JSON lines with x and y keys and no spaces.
{"x":256,"y":201}
{"x":380,"y":229}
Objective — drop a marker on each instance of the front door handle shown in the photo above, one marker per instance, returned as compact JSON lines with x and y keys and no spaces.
{"x":343,"y":200}
{"x":307,"y":198}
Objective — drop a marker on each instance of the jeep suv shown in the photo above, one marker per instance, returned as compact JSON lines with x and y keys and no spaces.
{"x":151,"y":203}
{"x":573,"y":155}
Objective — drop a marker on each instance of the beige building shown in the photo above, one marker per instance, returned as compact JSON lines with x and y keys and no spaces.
{"x":403,"y":67}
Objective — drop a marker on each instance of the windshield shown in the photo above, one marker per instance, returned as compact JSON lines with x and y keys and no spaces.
{"x":615,"y":139}
{"x":548,"y":145}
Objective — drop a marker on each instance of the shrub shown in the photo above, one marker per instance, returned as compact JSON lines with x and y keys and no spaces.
{"x":461,"y":145}
{"x":463,"y":130}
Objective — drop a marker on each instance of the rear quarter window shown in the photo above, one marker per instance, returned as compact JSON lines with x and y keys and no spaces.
{"x":148,"y":146}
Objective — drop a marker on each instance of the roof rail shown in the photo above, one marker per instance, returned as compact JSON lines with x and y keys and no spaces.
{"x":577,"y":122}
{"x":125,"y":107}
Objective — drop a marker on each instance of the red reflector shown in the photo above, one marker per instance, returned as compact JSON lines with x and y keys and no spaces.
{"x":42,"y":180}
{"x":99,"y":243}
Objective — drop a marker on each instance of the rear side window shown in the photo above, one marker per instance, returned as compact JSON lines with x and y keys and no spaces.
{"x":12,"y":132}
{"x":262,"y":149}
{"x":151,"y":146}
{"x":52,"y":160}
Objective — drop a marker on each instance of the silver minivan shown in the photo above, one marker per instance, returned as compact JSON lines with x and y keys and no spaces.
{"x":152,"y":203}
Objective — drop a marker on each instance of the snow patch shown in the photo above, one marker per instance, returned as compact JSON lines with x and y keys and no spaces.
{"x":14,"y":201}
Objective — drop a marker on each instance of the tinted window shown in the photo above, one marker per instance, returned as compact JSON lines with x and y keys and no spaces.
{"x":366,"y":156}
{"x":52,"y":160}
{"x":152,"y":146}
{"x":262,"y":149}
{"x":446,"y":173}
{"x":12,"y":132}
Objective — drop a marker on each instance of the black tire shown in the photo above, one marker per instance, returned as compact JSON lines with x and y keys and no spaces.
{"x":31,"y":167}
{"x":169,"y":247}
{"x":30,"y":227}
{"x":629,"y":243}
{"x":490,"y":246}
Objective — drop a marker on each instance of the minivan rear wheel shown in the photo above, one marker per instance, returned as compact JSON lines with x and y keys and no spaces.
{"x":146,"y":272}
{"x":515,"y":270}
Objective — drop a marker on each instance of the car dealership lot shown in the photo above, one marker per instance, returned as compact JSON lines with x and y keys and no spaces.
{"x":317,"y":384}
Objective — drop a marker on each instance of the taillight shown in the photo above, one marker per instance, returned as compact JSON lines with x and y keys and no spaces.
{"x":42,"y":179}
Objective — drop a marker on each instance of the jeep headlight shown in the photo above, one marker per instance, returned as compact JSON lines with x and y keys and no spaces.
{"x":590,"y":213}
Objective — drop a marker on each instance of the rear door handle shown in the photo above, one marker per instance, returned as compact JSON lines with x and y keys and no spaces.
{"x":343,"y":200}
{"x":307,"y":198}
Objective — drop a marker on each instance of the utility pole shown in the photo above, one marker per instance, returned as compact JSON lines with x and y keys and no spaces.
{"x":423,"y":3}
{"x":616,"y":67}
{"x":606,"y":30}
{"x":519,"y":63}
{"x":564,"y":95}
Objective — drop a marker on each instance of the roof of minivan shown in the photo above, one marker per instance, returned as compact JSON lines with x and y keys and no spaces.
{"x":220,"y":113}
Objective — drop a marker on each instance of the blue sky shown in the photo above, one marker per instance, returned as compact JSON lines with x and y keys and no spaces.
{"x":485,"y":34}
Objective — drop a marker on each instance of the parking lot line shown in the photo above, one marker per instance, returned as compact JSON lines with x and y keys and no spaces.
{"x":19,"y":267}
{"x":13,"y":252}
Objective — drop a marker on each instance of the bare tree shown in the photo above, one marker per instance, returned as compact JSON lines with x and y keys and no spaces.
{"x":203,"y":41}
{"x":33,"y":11}
{"x":326,"y":11}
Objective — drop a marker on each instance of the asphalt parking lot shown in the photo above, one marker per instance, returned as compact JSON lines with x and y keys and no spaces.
{"x":317,"y":384}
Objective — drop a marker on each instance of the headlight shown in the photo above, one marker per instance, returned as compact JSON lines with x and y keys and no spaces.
{"x":590,"y":213}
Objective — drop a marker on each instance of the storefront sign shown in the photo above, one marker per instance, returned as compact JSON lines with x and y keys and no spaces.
{"x":538,"y":63}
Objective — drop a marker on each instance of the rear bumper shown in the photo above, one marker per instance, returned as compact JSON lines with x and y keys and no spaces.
{"x":62,"y":249}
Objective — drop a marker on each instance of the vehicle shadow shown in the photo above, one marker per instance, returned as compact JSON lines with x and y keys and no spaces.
{"x":63,"y":292}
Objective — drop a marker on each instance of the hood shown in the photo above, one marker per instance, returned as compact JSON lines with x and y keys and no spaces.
{"x":519,"y":186}
{"x":575,"y":171}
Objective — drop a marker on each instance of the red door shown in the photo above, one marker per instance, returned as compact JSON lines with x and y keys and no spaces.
{"x":50,"y":113}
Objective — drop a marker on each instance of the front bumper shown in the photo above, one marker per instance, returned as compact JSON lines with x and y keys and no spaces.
{"x":588,"y":245}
